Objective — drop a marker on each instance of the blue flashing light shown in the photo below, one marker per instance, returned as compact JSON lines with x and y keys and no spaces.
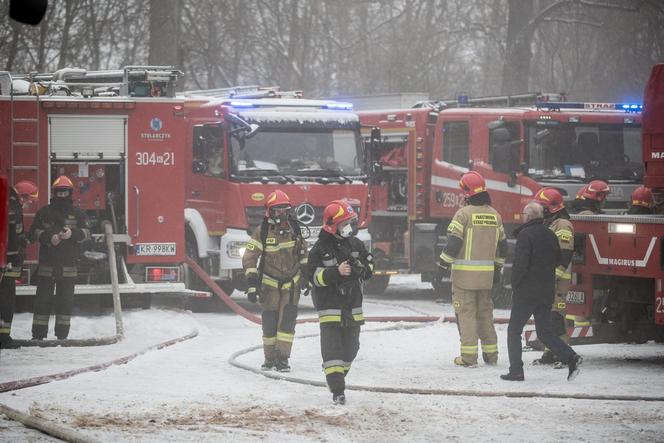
{"x":631,"y":107}
{"x":238,"y":104}
{"x":339,"y":106}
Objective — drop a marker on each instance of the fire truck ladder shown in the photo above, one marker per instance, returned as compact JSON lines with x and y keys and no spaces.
{"x":24,"y":136}
{"x":494,"y":101}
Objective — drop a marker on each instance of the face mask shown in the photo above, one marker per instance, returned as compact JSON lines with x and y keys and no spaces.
{"x":346,"y":231}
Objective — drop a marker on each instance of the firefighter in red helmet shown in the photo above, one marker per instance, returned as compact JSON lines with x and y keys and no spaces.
{"x":58,"y":227}
{"x":642,"y":201}
{"x":475,"y":252}
{"x":338,"y":264}
{"x":592,"y":196}
{"x":23,"y":193}
{"x":558,"y":220}
{"x":273,"y":262}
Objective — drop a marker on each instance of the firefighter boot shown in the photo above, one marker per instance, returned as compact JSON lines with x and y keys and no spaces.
{"x":339,"y":399}
{"x":513,"y":376}
{"x":268,"y":365}
{"x":574,"y":364}
{"x":281,"y":364}
{"x":547,"y":358}
{"x":459,"y":361}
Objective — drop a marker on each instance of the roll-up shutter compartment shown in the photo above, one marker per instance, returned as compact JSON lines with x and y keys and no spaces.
{"x":87,"y":137}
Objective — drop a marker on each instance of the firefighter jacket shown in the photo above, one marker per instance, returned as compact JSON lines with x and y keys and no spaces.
{"x":564,"y":230}
{"x":16,"y":236}
{"x":282,"y":254}
{"x":476,"y":246}
{"x":53,"y":219}
{"x":338,"y":299}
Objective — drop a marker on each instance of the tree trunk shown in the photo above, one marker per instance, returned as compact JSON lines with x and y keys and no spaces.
{"x":516,"y":69}
{"x":165,"y":19}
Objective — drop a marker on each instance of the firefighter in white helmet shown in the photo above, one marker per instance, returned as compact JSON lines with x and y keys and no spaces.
{"x":475,"y":253}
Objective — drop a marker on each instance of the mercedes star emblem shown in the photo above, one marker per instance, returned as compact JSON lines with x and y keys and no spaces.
{"x":305,"y":213}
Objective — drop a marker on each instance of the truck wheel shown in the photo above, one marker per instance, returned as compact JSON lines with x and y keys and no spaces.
{"x":191,"y":280}
{"x":377,"y":284}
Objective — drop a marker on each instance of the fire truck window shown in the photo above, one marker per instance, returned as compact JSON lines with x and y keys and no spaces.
{"x":504,"y":144}
{"x":455,"y":143}
{"x":208,"y":150}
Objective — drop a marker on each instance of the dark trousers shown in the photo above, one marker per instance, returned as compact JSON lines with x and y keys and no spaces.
{"x":522,"y":309}
{"x":64,"y":300}
{"x":339,"y":346}
{"x":7,"y":305}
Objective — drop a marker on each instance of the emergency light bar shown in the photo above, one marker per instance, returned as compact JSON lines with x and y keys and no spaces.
{"x":557,"y":106}
{"x":339,"y":106}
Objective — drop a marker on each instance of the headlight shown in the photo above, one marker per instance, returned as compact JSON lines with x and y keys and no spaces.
{"x":235,"y":249}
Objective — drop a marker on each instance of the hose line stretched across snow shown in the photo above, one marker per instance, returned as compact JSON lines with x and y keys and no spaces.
{"x":216,"y":289}
{"x":420,"y":391}
{"x":45,"y":426}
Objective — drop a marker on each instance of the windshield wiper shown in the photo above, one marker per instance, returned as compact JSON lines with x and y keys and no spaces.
{"x":265,"y":175}
{"x":323,"y":173}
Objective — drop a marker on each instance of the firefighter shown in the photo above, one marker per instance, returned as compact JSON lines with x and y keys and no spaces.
{"x":642,"y":201}
{"x":557,"y":219}
{"x":58,"y":227}
{"x":338,"y":264}
{"x":20,"y":195}
{"x":592,"y":197}
{"x":475,"y":252}
{"x":276,"y":281}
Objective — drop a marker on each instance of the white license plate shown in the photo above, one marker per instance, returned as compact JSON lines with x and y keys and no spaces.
{"x":155,"y":248}
{"x":576,"y":297}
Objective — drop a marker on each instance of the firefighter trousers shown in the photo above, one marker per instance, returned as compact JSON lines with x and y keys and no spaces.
{"x":474,"y":313}
{"x":558,"y":322}
{"x":64,"y":300}
{"x":338,"y":346}
{"x":279,"y":317}
{"x":7,"y":305}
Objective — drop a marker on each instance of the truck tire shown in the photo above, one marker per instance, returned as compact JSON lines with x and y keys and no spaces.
{"x":377,"y":284}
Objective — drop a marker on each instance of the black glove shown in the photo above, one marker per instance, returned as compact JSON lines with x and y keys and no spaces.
{"x":497,"y":274}
{"x":443,"y":270}
{"x":252,"y":294}
{"x":305,"y":286}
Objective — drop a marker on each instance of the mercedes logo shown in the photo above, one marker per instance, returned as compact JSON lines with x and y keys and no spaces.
{"x":305,"y":213}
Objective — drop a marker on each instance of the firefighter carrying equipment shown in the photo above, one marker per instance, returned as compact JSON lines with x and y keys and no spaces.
{"x":59,"y":228}
{"x":274,"y":261}
{"x":338,"y":300}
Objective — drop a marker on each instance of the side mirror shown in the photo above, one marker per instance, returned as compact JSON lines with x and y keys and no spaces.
{"x":375,"y":137}
{"x":376,"y":168}
{"x":253,"y":129}
{"x":198,"y":167}
{"x":523,"y":168}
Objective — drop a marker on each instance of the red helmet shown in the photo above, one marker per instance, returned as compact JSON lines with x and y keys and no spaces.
{"x":27,"y":190}
{"x":335,"y":213}
{"x":551,"y":199}
{"x":472,"y":183}
{"x":63,"y":185}
{"x":642,"y":196}
{"x":596,"y":190}
{"x":276,"y":200}
{"x":579,"y":193}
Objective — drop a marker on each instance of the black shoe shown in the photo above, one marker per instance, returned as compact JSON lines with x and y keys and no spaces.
{"x":339,"y":399}
{"x":513,"y":376}
{"x":38,"y":338}
{"x":62,"y":337}
{"x":282,"y":365}
{"x":267,"y":365}
{"x":574,"y":365}
{"x":8,"y":343}
{"x":548,"y":358}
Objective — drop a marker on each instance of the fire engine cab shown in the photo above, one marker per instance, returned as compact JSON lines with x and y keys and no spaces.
{"x":175,"y":173}
{"x":518,"y":143}
{"x":618,"y":265}
{"x":246,"y":142}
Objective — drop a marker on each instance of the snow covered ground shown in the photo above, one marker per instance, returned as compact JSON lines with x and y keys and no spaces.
{"x":189,"y":391}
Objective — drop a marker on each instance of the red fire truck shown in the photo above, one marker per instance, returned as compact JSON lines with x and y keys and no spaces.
{"x":618,"y":267}
{"x":175,"y":174}
{"x":518,"y":147}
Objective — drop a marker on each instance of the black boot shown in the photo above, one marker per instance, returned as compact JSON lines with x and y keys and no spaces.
{"x":574,"y":364}
{"x":6,"y":342}
{"x":268,"y":365}
{"x":339,"y":399}
{"x":513,"y":376}
{"x":281,"y":364}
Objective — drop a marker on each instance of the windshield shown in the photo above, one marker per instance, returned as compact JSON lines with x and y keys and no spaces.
{"x":579,"y":152}
{"x":299,"y":153}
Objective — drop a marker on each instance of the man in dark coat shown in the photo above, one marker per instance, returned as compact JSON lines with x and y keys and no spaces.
{"x":536,"y":257}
